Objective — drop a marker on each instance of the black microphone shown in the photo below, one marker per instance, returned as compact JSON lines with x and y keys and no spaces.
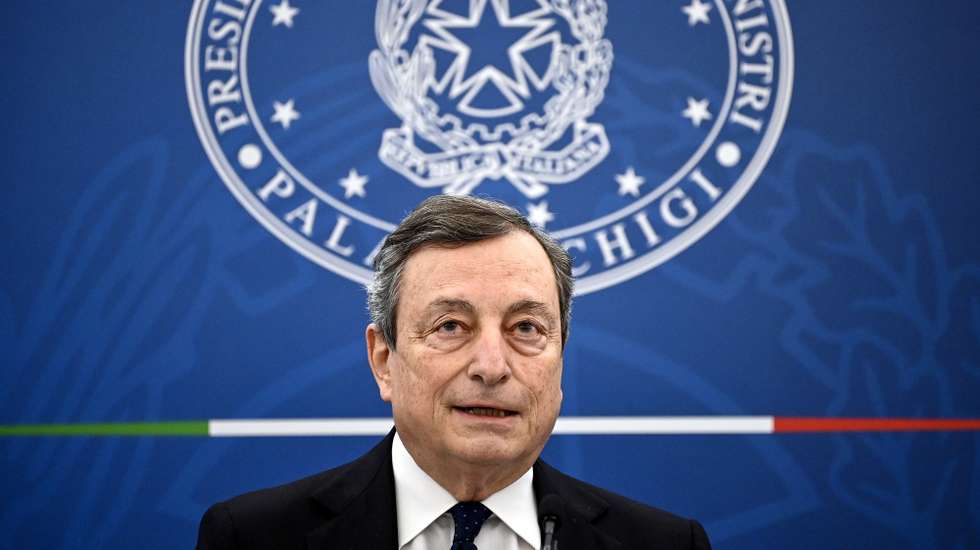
{"x":549,"y":513}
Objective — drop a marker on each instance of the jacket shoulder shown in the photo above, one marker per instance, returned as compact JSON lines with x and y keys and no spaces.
{"x":640,"y":523}
{"x":633,"y":523}
{"x":288,"y":499}
{"x":280,"y":515}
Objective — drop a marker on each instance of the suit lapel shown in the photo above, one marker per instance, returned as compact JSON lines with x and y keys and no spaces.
{"x":360,"y":503}
{"x":582,"y":509}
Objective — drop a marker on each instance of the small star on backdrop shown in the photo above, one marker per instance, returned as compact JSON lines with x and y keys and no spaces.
{"x":354,"y":184}
{"x":697,"y":111}
{"x":697,"y":12}
{"x":285,"y":113}
{"x":283,"y":14}
{"x":630,"y":182}
{"x":538,"y":214}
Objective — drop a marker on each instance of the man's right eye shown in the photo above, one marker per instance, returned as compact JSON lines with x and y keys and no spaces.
{"x":451,"y":327}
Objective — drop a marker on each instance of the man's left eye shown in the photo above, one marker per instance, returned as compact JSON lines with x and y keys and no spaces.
{"x":527,"y":328}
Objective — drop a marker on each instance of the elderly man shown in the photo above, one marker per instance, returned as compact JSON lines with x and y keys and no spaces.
{"x":470,"y":308}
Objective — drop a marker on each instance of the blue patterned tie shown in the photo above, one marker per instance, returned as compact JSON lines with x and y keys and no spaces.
{"x":469,"y":518}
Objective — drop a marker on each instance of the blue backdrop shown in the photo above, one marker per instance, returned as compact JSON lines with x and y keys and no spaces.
{"x":846,"y":281}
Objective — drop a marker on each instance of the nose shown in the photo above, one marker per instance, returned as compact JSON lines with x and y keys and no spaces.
{"x":489,"y":363}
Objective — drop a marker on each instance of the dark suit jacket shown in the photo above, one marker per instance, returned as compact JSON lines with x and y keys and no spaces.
{"x":353,"y":507}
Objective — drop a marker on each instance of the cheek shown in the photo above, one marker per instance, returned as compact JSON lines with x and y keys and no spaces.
{"x":418,"y":380}
{"x":406,"y":383}
{"x":545,"y":384}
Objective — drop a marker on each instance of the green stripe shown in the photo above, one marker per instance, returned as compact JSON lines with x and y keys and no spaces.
{"x":195,"y":428}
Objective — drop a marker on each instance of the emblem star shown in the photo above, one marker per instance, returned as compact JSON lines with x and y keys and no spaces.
{"x":285,"y":113}
{"x":630,"y":182}
{"x":538,"y":214}
{"x":353,"y":184}
{"x":283,"y":14}
{"x":697,"y":12}
{"x":497,"y":69}
{"x":697,"y":111}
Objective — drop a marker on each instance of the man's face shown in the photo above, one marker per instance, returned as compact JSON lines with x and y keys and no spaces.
{"x":477,"y":373}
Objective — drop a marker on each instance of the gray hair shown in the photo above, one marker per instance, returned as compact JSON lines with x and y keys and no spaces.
{"x":450,"y":221}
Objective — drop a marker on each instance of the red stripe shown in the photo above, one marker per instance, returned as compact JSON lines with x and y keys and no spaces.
{"x":796,"y":424}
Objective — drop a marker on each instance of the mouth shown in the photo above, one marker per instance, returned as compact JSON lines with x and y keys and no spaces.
{"x":488,"y":412}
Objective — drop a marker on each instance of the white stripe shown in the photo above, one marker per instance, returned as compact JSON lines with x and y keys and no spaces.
{"x":652,"y":425}
{"x":566,"y":425}
{"x":299,"y":427}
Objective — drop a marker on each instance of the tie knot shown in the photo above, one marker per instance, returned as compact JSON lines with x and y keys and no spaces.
{"x":469,"y":518}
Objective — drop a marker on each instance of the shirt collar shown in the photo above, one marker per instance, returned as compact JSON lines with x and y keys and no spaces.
{"x":419,"y":500}
{"x":515,"y":506}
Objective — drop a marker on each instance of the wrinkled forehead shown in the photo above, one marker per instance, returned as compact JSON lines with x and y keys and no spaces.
{"x":497,"y":272}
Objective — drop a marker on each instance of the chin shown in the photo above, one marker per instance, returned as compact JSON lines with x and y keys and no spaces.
{"x":487,"y":450}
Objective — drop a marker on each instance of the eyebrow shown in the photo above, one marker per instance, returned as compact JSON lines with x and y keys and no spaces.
{"x":450,"y":304}
{"x":532,"y":306}
{"x":522,"y":306}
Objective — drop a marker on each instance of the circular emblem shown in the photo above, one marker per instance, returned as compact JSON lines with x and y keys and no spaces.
{"x":627,"y":130}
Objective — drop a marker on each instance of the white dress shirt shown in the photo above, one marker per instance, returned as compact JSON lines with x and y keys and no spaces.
{"x":424,"y":522}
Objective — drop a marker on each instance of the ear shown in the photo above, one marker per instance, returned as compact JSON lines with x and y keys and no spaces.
{"x":380,"y":357}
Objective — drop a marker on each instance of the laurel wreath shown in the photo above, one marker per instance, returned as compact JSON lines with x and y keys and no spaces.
{"x":402,"y":77}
